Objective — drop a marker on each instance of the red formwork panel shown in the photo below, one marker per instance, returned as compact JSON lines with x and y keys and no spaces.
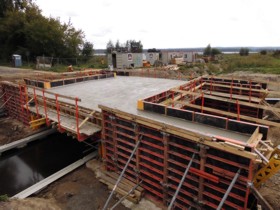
{"x":15,"y":98}
{"x":162,"y":158}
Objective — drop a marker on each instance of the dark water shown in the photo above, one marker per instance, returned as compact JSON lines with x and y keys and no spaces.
{"x":24,"y":167}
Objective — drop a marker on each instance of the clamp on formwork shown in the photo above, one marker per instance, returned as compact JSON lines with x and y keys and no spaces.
{"x":271,"y":168}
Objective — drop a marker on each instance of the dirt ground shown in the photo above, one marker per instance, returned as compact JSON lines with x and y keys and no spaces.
{"x":12,"y":130}
{"x":75,"y":191}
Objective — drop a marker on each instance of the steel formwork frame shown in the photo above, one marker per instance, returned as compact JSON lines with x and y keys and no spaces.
{"x":230,"y":99}
{"x":162,"y":157}
{"x":18,"y":99}
{"x":15,"y":97}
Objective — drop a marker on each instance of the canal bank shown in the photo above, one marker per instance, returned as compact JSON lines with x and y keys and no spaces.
{"x":79,"y":189}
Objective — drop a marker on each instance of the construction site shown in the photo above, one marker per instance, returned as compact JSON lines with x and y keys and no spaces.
{"x":183,"y":142}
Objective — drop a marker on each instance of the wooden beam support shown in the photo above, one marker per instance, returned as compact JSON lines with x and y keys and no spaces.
{"x":87,"y":118}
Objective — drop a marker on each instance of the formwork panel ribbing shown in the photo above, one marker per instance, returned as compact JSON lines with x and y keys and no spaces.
{"x":161,"y":160}
{"x":15,"y":98}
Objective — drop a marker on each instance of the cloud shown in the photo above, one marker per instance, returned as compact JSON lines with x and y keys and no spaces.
{"x":106,"y":3}
{"x":101,"y":32}
{"x":72,"y":14}
{"x":234,"y":19}
{"x":144,"y":31}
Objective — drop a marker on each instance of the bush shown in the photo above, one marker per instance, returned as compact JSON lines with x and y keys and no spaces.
{"x":276,"y":53}
{"x":263,"y":52}
{"x":244,"y":51}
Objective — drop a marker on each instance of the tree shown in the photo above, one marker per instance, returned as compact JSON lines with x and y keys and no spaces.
{"x":244,"y":51}
{"x":207,"y":50}
{"x":136,"y":47}
{"x":87,"y":50}
{"x":109,"y":47}
{"x":215,"y":51}
{"x":24,"y":30}
{"x":13,"y":5}
{"x":118,"y":46}
{"x":153,"y":50}
{"x":263,"y":52}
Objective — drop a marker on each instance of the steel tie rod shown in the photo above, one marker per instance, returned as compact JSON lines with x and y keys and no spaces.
{"x":122,"y":173}
{"x":5,"y":102}
{"x":229,"y":189}
{"x":181,"y":183}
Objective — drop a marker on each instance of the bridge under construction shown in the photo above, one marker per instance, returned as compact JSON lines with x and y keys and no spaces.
{"x":199,"y":143}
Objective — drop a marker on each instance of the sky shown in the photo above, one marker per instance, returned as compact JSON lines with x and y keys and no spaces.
{"x":172,"y":23}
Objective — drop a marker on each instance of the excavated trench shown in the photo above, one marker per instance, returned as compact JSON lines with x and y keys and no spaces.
{"x":23,"y":167}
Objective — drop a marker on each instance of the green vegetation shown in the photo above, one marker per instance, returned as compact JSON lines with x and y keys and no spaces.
{"x":131,"y":46}
{"x":96,"y":62}
{"x":253,"y":62}
{"x":209,"y":51}
{"x":244,"y":51}
{"x":4,"y":198}
{"x":25,"y":31}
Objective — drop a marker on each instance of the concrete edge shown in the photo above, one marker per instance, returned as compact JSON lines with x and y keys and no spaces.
{"x":24,"y":141}
{"x":45,"y":182}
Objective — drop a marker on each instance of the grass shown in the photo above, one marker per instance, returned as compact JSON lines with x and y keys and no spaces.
{"x":96,"y":62}
{"x":4,"y":198}
{"x":252,"y":62}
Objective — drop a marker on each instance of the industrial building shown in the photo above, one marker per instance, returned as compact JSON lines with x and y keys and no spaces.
{"x":187,"y":57}
{"x":198,"y":144}
{"x":121,"y":60}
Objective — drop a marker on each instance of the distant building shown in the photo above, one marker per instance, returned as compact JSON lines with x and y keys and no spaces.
{"x":122,"y":60}
{"x":167,"y":56}
{"x":151,"y":57}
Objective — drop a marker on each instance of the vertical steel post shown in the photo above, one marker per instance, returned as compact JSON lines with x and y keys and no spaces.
{"x":250,"y":93}
{"x":202,"y":102}
{"x":36,"y":102}
{"x":45,"y":108}
{"x":231,"y":88}
{"x":57,"y":111}
{"x":77,"y":118}
{"x":238,"y":110}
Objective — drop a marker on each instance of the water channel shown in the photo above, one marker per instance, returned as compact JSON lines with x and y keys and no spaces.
{"x":21,"y":168}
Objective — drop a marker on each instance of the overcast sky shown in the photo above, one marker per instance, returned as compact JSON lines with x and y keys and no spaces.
{"x":172,"y":23}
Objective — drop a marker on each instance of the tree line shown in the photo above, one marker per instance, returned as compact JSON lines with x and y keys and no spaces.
{"x":130,"y":46}
{"x":24,"y":30}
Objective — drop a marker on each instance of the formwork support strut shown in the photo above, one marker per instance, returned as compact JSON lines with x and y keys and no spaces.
{"x":181,"y":183}
{"x":229,"y":189}
{"x":6,"y":102}
{"x":125,"y":196}
{"x":122,"y":173}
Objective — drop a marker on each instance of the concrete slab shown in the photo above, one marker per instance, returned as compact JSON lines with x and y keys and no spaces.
{"x":122,"y":93}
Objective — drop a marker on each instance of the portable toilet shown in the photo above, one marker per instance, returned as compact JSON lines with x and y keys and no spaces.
{"x":17,"y":60}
